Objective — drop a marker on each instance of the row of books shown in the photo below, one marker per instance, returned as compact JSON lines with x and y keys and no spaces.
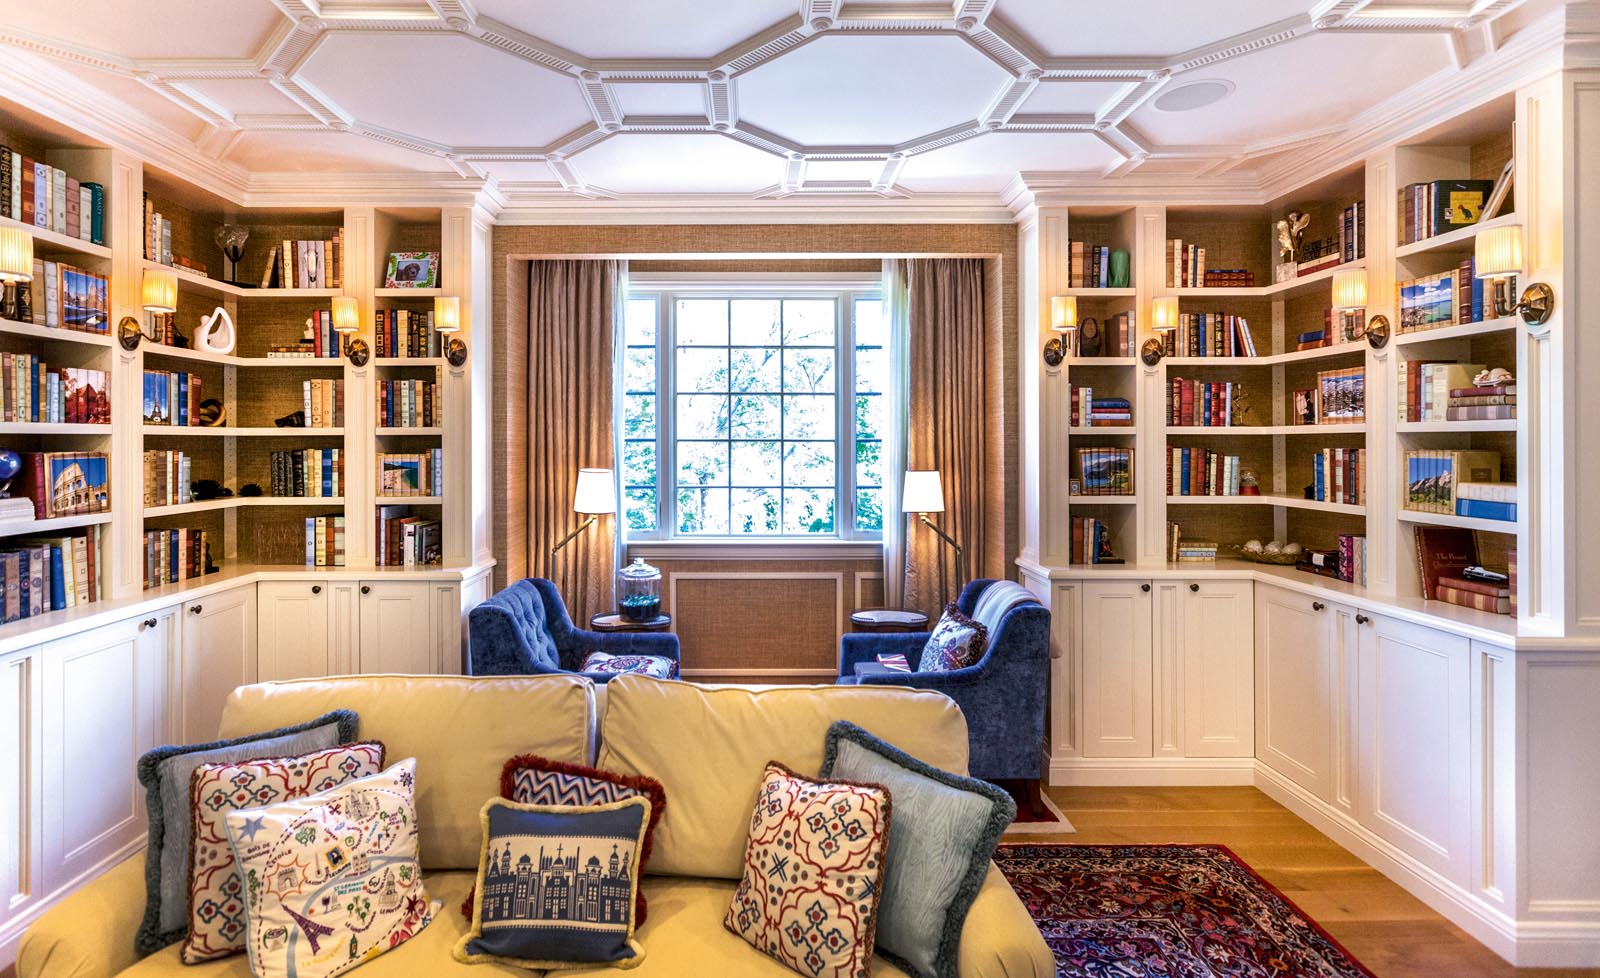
{"x":172,"y":397}
{"x":32,"y":392}
{"x":1339,"y":475}
{"x":310,"y":473}
{"x":1091,"y":542}
{"x":1186,"y":268}
{"x":64,"y":483}
{"x":1444,"y":554}
{"x":1098,"y":412}
{"x":1498,"y":403}
{"x":321,"y":340}
{"x":1198,"y":472}
{"x":1210,"y":334}
{"x":324,"y":403}
{"x":63,"y":296}
{"x":403,"y":333}
{"x":167,"y":477}
{"x":157,"y":238}
{"x":1352,"y":564}
{"x":1089,"y":265}
{"x":325,"y":541}
{"x":306,"y":264}
{"x":1442,"y":390}
{"x":1437,"y":206}
{"x":1184,"y":551}
{"x":1353,"y":231}
{"x":404,"y":540}
{"x":1451,"y":298}
{"x":1201,"y":403}
{"x":48,"y":197}
{"x":1105,"y":472}
{"x":409,"y":404}
{"x":174,"y":555}
{"x":1434,"y":477}
{"x":44,"y":574}
{"x":411,"y":473}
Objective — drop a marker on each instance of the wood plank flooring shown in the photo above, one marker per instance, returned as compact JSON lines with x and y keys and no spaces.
{"x":1388,"y":930}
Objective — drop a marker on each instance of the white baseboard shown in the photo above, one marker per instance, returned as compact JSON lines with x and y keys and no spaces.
{"x":11,"y":933}
{"x":1165,"y":772}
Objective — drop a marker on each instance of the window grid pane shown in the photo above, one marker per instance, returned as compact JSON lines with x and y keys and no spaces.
{"x":639,"y":428}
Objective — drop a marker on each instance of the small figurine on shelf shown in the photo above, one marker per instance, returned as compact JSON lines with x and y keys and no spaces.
{"x":249,"y":489}
{"x":1291,"y":233}
{"x":1495,"y":377}
{"x":213,"y":414}
{"x":210,"y":489}
{"x":1249,"y":485}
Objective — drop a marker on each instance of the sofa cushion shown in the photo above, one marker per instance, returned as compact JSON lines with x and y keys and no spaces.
{"x":708,"y":746}
{"x":459,"y":728}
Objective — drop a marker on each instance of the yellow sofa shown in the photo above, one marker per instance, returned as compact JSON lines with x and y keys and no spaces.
{"x":707,"y":745}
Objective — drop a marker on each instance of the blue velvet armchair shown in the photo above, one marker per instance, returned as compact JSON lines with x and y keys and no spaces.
{"x":1003,"y":694}
{"x":526,"y":630}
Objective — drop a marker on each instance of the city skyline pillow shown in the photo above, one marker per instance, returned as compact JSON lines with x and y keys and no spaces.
{"x":217,"y":922}
{"x":557,"y":885}
{"x":332,"y":880}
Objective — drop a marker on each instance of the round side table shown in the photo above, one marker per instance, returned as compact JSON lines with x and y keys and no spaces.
{"x":887,"y":620}
{"x":617,"y":623}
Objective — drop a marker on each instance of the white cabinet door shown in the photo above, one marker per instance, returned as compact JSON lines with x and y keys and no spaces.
{"x":1414,"y":741}
{"x":292,"y":630}
{"x":449,"y":628}
{"x":103,"y":705}
{"x":1293,"y":683}
{"x":1117,"y":680}
{"x":21,"y":784}
{"x":397,"y":628}
{"x":1218,"y":668}
{"x":219,"y":655}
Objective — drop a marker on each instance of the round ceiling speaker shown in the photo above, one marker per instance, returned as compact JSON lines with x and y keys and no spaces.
{"x":1195,"y":95}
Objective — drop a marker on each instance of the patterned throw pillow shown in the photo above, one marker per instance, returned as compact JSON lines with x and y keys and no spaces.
{"x":813,"y":870}
{"x":165,"y":774}
{"x":658,"y":666}
{"x":557,"y":885}
{"x":957,"y":642}
{"x":946,"y":827}
{"x":332,"y":879}
{"x":216,"y":891}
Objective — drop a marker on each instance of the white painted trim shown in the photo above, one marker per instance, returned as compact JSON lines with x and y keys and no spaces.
{"x":745,"y":550}
{"x":1161,"y":771}
{"x":864,"y":576}
{"x":716,"y":673}
{"x":733,"y":282}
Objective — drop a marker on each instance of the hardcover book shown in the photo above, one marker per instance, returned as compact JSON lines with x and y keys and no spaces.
{"x":1443,"y":551}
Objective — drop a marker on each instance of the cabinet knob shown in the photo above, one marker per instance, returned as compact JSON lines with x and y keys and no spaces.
{"x":148,"y":623}
{"x":1144,"y":587}
{"x":1194,"y":587}
{"x":316,"y":589}
{"x":1362,"y":619}
{"x":365,"y":589}
{"x":194,"y":609}
{"x":1317,"y":606}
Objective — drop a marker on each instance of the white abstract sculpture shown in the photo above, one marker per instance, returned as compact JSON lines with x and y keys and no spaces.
{"x":217,"y":333}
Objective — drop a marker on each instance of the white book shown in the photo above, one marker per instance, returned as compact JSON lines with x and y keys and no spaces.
{"x":58,"y":200}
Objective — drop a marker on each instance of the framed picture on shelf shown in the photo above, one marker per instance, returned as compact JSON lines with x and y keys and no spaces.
{"x":1305,"y":406}
{"x":1106,"y":471}
{"x":412,"y":270}
{"x":1502,"y":186}
{"x":1074,"y":487}
{"x":1342,"y":396}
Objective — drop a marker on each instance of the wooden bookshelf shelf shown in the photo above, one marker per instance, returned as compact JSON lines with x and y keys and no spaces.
{"x":40,"y":428}
{"x":241,"y":502}
{"x":384,"y":432}
{"x":1293,"y":356}
{"x":200,"y":431}
{"x":1278,"y":290}
{"x":20,"y":527}
{"x":1434,"y":427}
{"x":409,"y":361}
{"x":1465,"y":522}
{"x":1268,"y":429}
{"x":1288,"y":502}
{"x":1459,"y":240}
{"x":1102,"y":429}
{"x":1483,"y":328}
{"x":196,"y":283}
{"x":1107,"y":293}
{"x":410,"y":500}
{"x":1102,"y":362}
{"x":1103,"y":500}
{"x":229,"y":360}
{"x":53,"y":334}
{"x":56,"y":241}
{"x":398,"y":293}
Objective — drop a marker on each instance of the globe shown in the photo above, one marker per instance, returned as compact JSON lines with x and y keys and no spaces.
{"x":10,"y":465}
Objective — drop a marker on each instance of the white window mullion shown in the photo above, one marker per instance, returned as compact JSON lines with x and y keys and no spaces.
{"x":845,"y":454}
{"x":666,"y":416}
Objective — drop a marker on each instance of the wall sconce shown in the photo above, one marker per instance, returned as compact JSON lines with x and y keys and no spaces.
{"x":158,"y":293}
{"x":1497,"y":253}
{"x":447,"y":321}
{"x":346,"y":321}
{"x":1350,"y":294}
{"x":1164,"y":319}
{"x":16,"y":267}
{"x":1064,"y":321}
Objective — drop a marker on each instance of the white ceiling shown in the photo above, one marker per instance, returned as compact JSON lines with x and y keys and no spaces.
{"x":747,"y":98}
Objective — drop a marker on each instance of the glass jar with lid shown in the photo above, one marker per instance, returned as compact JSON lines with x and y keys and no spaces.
{"x":639,"y":591}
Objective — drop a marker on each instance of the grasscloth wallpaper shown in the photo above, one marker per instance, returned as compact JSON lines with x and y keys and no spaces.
{"x":712,"y":643}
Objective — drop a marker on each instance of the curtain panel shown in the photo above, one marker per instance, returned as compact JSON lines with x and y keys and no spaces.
{"x":945,"y":412}
{"x":574,"y":313}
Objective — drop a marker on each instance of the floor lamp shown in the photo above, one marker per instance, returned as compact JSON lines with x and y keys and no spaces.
{"x":595,"y":496}
{"x":922,"y":492}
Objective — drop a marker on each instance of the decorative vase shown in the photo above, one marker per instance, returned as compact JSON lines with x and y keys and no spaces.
{"x":231,"y":238}
{"x":639,"y":591}
{"x":1118,"y":277}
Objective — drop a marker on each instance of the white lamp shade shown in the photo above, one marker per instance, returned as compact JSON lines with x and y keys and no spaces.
{"x":1498,"y":252}
{"x":1164,"y":313}
{"x":922,"y":492}
{"x":596,"y":492}
{"x":16,"y":255}
{"x":447,"y":313}
{"x":346,"y":314}
{"x":1350,"y":290}
{"x":1063,"y":313}
{"x":158,"y":290}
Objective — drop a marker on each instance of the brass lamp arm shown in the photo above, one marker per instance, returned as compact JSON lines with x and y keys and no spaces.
{"x":571,"y":536}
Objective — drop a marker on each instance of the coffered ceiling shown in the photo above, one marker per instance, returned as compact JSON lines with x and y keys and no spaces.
{"x":748,"y":99}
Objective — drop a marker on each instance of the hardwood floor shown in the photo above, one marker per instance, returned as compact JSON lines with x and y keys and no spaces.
{"x":1391,"y":932}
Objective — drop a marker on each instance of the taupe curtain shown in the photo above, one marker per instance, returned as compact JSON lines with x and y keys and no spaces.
{"x":573,"y":310}
{"x":945,"y":414}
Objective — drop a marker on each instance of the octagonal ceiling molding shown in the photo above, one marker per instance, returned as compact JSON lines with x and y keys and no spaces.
{"x":1012,"y":68}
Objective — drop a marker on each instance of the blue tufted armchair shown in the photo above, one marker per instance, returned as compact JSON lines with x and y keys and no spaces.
{"x":525,"y":630}
{"x":1003,"y":694}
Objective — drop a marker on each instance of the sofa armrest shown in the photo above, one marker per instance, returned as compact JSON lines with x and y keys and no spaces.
{"x":999,"y":939}
{"x":866,"y":647}
{"x":89,"y":934}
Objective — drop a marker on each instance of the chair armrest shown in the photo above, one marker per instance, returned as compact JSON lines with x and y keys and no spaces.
{"x":999,"y":939}
{"x":866,"y":647}
{"x":90,"y":933}
{"x":664,"y":644}
{"x":950,"y":683}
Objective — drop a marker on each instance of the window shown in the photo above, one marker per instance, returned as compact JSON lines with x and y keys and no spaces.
{"x":754,"y":410}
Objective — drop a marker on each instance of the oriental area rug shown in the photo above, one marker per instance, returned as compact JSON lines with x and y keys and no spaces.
{"x":1167,"y":912}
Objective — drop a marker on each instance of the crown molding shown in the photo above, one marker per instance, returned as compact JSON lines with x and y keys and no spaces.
{"x":525,"y":206}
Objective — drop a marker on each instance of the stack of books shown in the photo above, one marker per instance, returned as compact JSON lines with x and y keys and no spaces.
{"x":166,"y":478}
{"x":46,"y":196}
{"x":1197,"y":472}
{"x":1339,"y":475}
{"x":1316,"y":256}
{"x":1469,"y":593}
{"x":325,"y":541}
{"x":176,"y":555}
{"x":35,"y":393}
{"x":1498,"y":403}
{"x":1430,"y":386}
{"x":1195,"y":551}
{"x":1487,"y":500}
{"x":1099,"y":412}
{"x":1314,"y":339}
{"x":1207,"y":404}
{"x":43,"y":574}
{"x":321,"y":341}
